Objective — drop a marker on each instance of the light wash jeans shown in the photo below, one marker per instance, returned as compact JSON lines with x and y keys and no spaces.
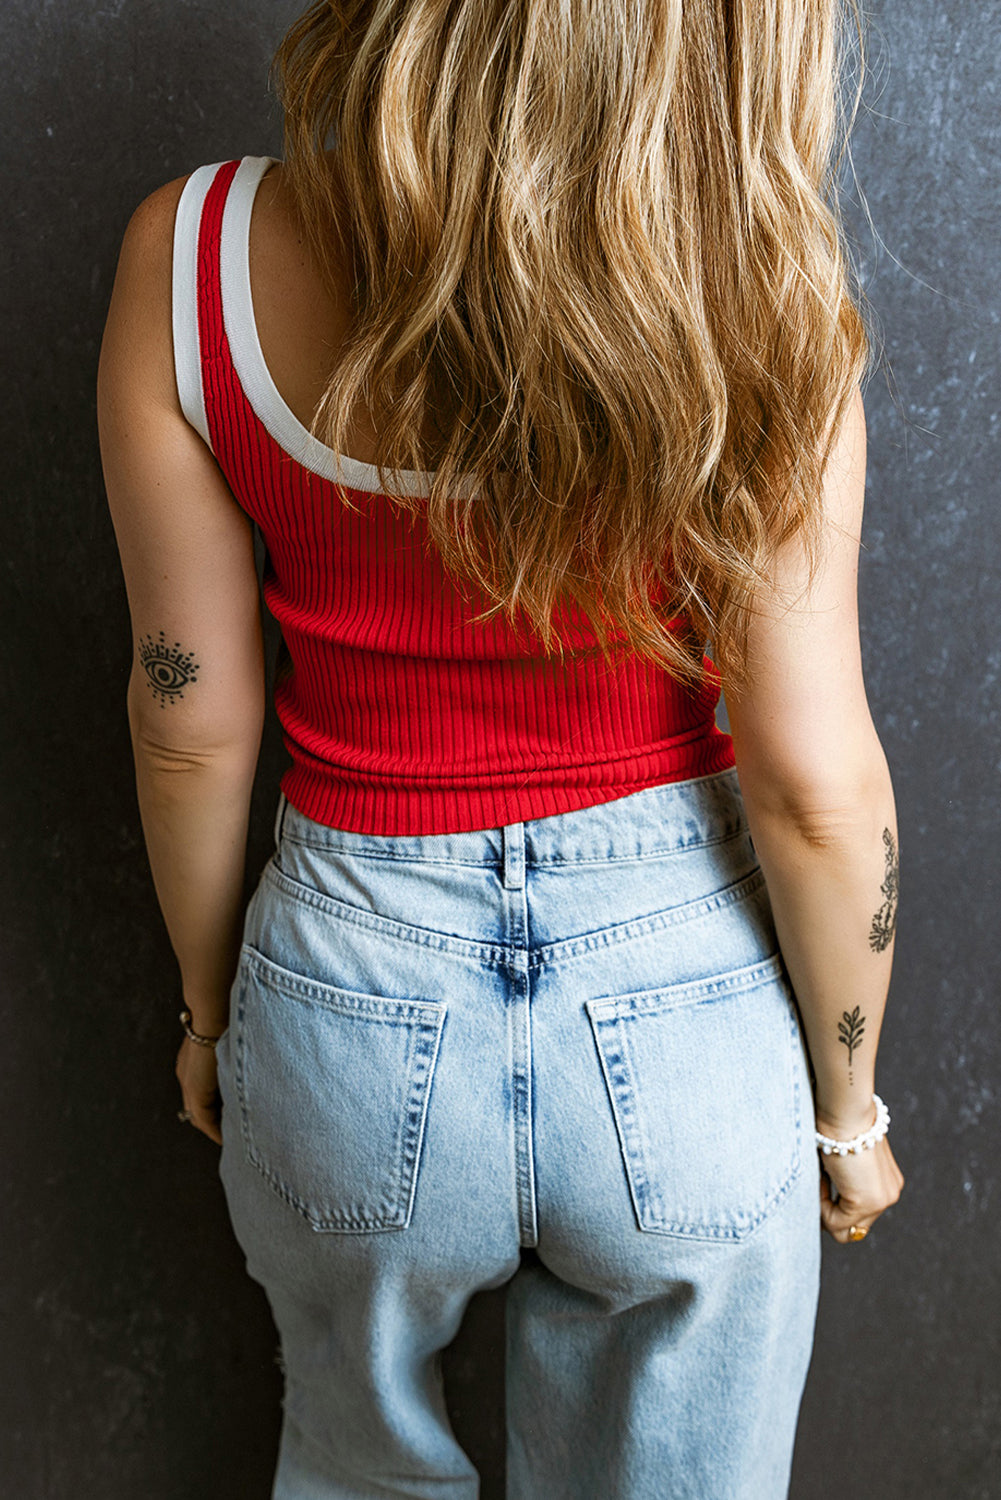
{"x":572,"y":1033}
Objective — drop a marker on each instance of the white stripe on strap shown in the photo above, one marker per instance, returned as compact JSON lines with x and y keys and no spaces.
{"x":184,"y":297}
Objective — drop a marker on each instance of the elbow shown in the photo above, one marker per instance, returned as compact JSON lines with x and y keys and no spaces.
{"x":187,"y":743}
{"x":831,"y":825}
{"x":825,"y":807}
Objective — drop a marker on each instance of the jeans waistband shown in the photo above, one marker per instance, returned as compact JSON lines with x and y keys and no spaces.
{"x":656,"y":820}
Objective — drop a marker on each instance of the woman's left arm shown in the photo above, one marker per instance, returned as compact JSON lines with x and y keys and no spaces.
{"x":196,"y":694}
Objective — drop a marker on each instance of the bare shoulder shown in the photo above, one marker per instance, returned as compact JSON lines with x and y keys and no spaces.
{"x":147,"y":244}
{"x":138,"y":338}
{"x":157,"y":210}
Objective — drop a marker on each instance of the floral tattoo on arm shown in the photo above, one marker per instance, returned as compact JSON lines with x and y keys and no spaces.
{"x":851,"y":1028}
{"x":884,"y":923}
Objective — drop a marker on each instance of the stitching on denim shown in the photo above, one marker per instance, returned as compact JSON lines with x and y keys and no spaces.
{"x":619,"y":1080}
{"x":637,"y":927}
{"x":659,"y":852}
{"x":342,"y":1224}
{"x":707,"y":990}
{"x":391,"y":1010}
{"x":426,"y":1048}
{"x":502,"y":954}
{"x":489,"y":953}
{"x":493,"y":955}
{"x":738,"y":1233}
{"x":395,"y":1216}
{"x":391,"y":856}
{"x":630,"y":1135}
{"x":424,"y":1039}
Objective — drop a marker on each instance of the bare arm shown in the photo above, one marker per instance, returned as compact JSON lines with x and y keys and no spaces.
{"x":820,"y":803}
{"x":196,"y":692}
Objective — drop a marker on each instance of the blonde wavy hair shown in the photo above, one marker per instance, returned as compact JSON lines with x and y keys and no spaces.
{"x":603,"y":236}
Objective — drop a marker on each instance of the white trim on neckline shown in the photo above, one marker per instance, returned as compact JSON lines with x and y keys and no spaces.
{"x":248,"y":357}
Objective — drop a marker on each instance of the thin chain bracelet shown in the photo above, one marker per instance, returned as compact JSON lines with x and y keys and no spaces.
{"x":193,"y":1036}
{"x":858,"y":1143}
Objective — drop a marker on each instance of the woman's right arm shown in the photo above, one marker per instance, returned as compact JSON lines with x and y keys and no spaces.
{"x":820,"y":809}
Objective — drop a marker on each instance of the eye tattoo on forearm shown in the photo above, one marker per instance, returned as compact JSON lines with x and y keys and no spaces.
{"x":884,"y":923}
{"x":168,"y":668}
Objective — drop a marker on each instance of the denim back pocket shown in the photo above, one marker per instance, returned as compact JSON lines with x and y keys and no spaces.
{"x":333,"y":1089}
{"x":705,"y":1083}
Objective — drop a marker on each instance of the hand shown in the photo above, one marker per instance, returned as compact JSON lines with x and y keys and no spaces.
{"x":196,"y":1073}
{"x":867,"y":1183}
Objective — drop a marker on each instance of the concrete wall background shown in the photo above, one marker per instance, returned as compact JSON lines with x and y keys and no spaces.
{"x":138,"y":1357}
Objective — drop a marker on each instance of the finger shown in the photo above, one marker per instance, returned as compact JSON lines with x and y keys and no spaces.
{"x":205,"y":1117}
{"x":213,"y":1132}
{"x":838,"y":1221}
{"x":830,"y":1206}
{"x":845,"y":1237}
{"x":208,"y":1124}
{"x":835,"y":1213}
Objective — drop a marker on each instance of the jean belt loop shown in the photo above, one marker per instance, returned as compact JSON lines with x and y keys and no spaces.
{"x":280,"y":818}
{"x":514,"y":856}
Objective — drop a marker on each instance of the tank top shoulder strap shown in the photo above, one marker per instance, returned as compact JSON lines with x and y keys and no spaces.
{"x":188,"y":291}
{"x":211,"y":217}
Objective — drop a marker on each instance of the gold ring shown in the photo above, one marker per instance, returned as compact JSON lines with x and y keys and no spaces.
{"x":185,"y":1115}
{"x":857,"y":1234}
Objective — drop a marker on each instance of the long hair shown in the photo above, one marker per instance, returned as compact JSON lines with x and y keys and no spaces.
{"x":603,"y":236}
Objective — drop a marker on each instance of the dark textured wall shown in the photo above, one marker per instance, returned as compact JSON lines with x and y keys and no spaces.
{"x":138,"y":1359}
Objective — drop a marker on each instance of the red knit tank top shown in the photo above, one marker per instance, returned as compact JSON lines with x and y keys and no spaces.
{"x":401,"y":715}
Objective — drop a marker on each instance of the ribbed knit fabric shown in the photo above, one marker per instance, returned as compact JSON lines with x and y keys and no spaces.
{"x":400,"y":714}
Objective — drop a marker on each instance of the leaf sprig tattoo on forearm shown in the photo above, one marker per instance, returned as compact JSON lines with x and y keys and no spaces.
{"x":168,"y":669}
{"x":850,"y":1031}
{"x":884,"y":923}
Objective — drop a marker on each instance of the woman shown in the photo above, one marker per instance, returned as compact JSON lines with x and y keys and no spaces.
{"x":541,"y":378}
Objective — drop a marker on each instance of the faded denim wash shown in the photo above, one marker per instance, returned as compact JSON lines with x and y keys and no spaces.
{"x":573,"y":1034}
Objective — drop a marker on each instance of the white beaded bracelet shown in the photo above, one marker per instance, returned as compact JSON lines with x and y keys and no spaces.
{"x":858,"y":1143}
